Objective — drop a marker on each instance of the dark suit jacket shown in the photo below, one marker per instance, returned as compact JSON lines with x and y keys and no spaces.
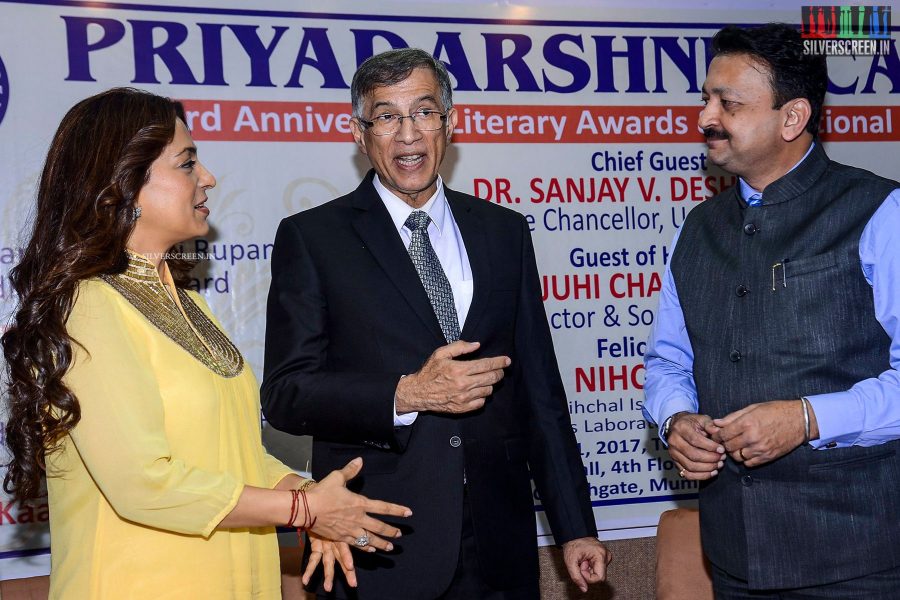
{"x":348,"y":316}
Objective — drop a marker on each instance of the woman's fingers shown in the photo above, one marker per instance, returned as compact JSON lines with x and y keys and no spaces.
{"x":351,"y":469}
{"x":374,"y":543}
{"x":373,"y":525}
{"x":379,"y":507}
{"x":326,"y":552}
{"x":328,"y":568}
{"x":370,"y":528}
{"x":315,"y":557}
{"x":345,"y":559}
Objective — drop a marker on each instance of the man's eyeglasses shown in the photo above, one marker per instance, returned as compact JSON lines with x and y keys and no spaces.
{"x":423,"y":120}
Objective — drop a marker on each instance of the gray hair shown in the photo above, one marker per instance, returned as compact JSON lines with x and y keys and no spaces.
{"x":392,"y":67}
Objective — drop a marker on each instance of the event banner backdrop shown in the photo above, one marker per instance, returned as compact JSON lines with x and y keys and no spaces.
{"x":583,"y":118}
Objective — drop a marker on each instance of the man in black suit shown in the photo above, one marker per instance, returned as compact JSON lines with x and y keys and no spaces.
{"x":372,"y":297}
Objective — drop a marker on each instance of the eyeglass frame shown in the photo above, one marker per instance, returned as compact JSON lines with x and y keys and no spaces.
{"x":443,"y":116}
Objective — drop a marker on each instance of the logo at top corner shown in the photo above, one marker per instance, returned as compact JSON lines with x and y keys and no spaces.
{"x":4,"y":90}
{"x":845,"y":30}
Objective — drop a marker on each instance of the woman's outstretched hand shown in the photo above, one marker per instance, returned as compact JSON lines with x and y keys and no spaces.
{"x":343,"y":516}
{"x":341,"y":521}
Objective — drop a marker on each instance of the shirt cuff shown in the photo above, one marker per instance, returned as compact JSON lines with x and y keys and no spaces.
{"x":838,"y":427}
{"x":406,"y":419}
{"x":403,"y":420}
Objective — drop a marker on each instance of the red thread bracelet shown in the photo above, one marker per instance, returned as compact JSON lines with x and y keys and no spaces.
{"x":295,"y":506}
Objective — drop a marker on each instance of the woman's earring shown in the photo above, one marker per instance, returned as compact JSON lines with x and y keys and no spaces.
{"x":137,"y":212}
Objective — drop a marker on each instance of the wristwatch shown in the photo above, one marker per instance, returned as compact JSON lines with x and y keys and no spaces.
{"x":666,"y":427}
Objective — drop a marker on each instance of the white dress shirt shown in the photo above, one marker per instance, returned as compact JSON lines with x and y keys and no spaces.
{"x":448,"y":246}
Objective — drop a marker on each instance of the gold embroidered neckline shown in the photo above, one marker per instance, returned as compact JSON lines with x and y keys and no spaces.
{"x":141,"y":285}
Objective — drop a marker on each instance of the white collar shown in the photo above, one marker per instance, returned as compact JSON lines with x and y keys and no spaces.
{"x":436,"y":207}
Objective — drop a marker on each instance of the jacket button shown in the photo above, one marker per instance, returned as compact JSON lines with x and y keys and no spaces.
{"x":746,"y":481}
{"x":734,"y":356}
{"x":455,"y":441}
{"x":742,"y":290}
{"x":750,"y":228}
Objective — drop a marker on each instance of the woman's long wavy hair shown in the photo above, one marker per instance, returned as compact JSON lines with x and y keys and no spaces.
{"x":98,"y":161}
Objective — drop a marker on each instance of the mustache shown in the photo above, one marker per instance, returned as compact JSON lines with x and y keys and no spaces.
{"x":711,"y":133}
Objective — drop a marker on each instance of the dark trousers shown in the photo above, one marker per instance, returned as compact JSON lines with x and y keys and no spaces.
{"x":467,"y":583}
{"x":884,"y":585}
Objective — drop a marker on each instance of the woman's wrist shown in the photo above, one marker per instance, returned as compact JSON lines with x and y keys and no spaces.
{"x":299,"y":512}
{"x":295,"y":508}
{"x":305,"y":518}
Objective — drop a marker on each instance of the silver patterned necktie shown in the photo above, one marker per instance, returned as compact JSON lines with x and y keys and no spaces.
{"x":434,"y":280}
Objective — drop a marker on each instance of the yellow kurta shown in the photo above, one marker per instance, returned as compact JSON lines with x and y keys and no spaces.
{"x":159,"y":458}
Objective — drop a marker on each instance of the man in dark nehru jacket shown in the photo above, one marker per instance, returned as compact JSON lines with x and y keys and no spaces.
{"x":772,"y":368}
{"x":405,"y":325}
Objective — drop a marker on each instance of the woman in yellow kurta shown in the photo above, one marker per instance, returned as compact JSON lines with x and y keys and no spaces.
{"x":125,"y":390}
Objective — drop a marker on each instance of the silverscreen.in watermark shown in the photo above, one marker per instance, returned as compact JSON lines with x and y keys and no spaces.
{"x":192,"y":256}
{"x":844,"y":30}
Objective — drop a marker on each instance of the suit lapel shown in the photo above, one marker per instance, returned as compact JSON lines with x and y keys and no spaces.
{"x":374,"y":226}
{"x":474,"y":235}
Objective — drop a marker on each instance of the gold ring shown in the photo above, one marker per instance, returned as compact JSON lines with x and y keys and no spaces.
{"x":681,"y":473}
{"x":741,"y":452}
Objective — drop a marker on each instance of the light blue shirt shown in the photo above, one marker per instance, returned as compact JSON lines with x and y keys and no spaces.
{"x":865,"y":415}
